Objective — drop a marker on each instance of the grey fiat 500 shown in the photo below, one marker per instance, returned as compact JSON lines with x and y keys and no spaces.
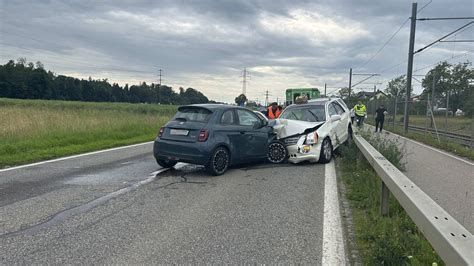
{"x":216,"y":136}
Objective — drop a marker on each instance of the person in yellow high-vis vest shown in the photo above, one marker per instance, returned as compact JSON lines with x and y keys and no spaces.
{"x":360,"y":113}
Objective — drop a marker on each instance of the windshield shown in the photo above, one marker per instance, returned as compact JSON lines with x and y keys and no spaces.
{"x":192,"y":114}
{"x":312,"y":113}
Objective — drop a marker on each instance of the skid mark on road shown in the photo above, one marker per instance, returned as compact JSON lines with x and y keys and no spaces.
{"x":62,"y":216}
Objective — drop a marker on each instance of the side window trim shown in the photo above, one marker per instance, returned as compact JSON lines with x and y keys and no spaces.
{"x":233,"y":118}
{"x":248,"y":112}
{"x":338,"y":106}
{"x":329,"y":109}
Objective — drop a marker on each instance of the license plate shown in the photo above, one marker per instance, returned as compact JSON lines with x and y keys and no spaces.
{"x":179,"y":132}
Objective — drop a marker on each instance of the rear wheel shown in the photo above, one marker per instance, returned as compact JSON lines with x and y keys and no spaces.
{"x":277,"y":152}
{"x":166,"y":163}
{"x":219,"y":162}
{"x":326,"y":151}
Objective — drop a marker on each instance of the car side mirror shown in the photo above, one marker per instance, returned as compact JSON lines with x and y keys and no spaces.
{"x":335,"y":118}
{"x":258,"y":124}
{"x":264,"y":123}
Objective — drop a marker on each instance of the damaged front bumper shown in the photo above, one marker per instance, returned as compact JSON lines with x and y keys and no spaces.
{"x":300,"y":152}
{"x":293,"y":133}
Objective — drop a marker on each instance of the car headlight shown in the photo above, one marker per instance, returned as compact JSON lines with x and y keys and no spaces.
{"x":312,"y":138}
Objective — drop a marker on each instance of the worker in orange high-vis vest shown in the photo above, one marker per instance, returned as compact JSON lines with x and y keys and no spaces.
{"x":273,"y":112}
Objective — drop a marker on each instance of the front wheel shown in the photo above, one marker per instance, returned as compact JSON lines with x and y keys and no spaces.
{"x":326,"y":151}
{"x":219,"y":162}
{"x":277,"y":152}
{"x":166,"y":163}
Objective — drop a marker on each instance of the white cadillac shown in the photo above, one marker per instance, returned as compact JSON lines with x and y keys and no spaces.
{"x":311,"y":131}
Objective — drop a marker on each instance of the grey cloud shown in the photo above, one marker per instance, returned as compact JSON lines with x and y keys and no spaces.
{"x":218,"y":38}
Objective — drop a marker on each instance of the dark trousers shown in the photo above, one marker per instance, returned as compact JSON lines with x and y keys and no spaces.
{"x":378,"y":122}
{"x":360,"y":120}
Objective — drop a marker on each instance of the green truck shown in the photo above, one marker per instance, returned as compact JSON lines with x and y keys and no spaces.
{"x":292,"y":93}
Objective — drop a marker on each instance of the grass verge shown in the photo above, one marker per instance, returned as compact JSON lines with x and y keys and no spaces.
{"x":390,"y":240}
{"x":431,"y":140}
{"x":34,"y":130}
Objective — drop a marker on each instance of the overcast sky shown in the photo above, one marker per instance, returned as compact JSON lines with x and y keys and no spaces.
{"x":207,"y":44}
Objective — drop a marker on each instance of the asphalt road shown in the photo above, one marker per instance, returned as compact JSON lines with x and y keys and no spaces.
{"x":446,"y":178}
{"x":120,"y":207}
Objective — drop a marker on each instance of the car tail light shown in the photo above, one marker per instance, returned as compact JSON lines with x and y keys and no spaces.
{"x":160,"y":133}
{"x":203,"y":135}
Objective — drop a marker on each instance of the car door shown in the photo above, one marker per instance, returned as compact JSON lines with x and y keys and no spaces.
{"x":253,"y":141}
{"x":226,"y":131}
{"x":343,"y":123}
{"x":334,"y":125}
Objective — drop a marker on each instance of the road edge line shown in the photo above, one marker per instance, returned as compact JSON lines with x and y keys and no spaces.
{"x":333,"y":240}
{"x":73,"y":156}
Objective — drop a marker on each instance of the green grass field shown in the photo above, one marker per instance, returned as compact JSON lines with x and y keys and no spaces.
{"x":33,"y":130}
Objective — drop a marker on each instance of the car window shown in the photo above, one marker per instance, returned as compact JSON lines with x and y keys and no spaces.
{"x":227,"y":117}
{"x":247,"y":118}
{"x":192,"y":114}
{"x":342,"y":103}
{"x":332,"y":110}
{"x":339,"y":108}
{"x":312,"y":113}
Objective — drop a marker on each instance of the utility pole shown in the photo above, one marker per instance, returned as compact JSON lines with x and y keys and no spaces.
{"x":350,"y":82}
{"x":432,"y":98}
{"x":410,"y":64}
{"x":266,"y":97}
{"x":160,"y":78}
{"x":244,"y":82}
{"x":325,"y":87}
{"x":159,"y":89}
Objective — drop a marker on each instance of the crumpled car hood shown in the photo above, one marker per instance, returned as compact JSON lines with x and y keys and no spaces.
{"x":286,"y":128}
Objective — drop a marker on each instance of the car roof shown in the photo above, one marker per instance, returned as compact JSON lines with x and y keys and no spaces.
{"x":318,"y":101}
{"x":213,"y":106}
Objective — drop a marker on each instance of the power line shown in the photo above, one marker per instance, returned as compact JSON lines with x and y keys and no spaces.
{"x":419,"y":10}
{"x":445,"y":36}
{"x":454,"y":18}
{"x":393,"y":35}
{"x":387,"y":42}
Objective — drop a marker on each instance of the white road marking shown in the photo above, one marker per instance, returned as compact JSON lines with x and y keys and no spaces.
{"x":333,"y":240}
{"x":73,"y":156}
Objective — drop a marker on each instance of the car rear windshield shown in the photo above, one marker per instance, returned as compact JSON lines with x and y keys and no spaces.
{"x":313,"y":113}
{"x":196,"y":114}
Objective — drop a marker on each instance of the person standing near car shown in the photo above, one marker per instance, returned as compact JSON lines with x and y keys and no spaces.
{"x":352,"y":112}
{"x":273,"y":112}
{"x":380,"y":118}
{"x":360,"y":113}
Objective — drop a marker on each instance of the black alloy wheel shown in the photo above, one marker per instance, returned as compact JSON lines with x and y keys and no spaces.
{"x":219,"y":162}
{"x":166,"y":163}
{"x":277,"y":152}
{"x":326,"y":151}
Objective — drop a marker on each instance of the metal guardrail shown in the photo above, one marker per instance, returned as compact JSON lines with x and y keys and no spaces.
{"x":453,"y":243}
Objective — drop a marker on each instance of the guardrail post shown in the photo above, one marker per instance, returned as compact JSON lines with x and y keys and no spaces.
{"x":360,"y":157}
{"x":384,"y":196}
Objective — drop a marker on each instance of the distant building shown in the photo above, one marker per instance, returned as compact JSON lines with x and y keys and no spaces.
{"x":363,"y":95}
{"x":416,"y":98}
